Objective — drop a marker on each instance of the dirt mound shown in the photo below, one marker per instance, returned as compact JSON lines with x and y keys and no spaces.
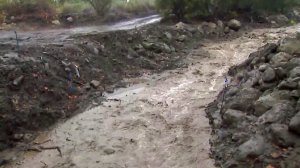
{"x":256,"y":117}
{"x":43,"y":83}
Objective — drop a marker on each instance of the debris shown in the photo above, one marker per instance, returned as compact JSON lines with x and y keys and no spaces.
{"x":95,"y":83}
{"x":18,"y":80}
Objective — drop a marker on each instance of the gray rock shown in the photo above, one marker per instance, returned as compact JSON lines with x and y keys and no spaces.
{"x":288,"y":84}
{"x":295,"y":123}
{"x":295,"y":72}
{"x":168,"y":35}
{"x":109,"y":151}
{"x":95,"y":83}
{"x":233,"y":117}
{"x":252,"y":148}
{"x":294,"y":62}
{"x":234,"y":24}
{"x":220,"y":24}
{"x":263,"y":104}
{"x":278,"y":19}
{"x":226,"y":30}
{"x":182,"y":38}
{"x":263,"y":67}
{"x":282,"y":136}
{"x":243,"y":100}
{"x":290,"y":45}
{"x":269,"y":75}
{"x":278,"y":113}
{"x":70,"y":19}
{"x":18,"y":80}
{"x":280,"y":59}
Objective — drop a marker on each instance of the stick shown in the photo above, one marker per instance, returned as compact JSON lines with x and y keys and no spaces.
{"x":18,"y":48}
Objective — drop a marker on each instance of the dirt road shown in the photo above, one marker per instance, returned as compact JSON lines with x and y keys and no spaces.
{"x":159,"y":122}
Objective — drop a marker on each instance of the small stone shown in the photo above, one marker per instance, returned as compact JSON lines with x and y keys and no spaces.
{"x":56,"y":22}
{"x":18,"y":80}
{"x":226,"y":30}
{"x":234,"y":24}
{"x":95,"y":83}
{"x":168,"y":35}
{"x":295,"y":72}
{"x":182,"y":38}
{"x":70,"y":19}
{"x":109,"y":151}
{"x":288,"y":85}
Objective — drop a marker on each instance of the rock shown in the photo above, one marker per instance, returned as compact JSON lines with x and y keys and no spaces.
{"x":109,"y":151}
{"x":278,"y":19}
{"x":212,"y":25}
{"x":200,"y":29}
{"x":290,"y":45}
{"x":278,"y":113}
{"x":295,"y":123}
{"x":252,"y":148}
{"x":243,"y":99}
{"x":234,"y":24}
{"x":168,"y":35}
{"x":70,"y":19}
{"x":269,"y":75}
{"x":282,"y":136}
{"x":220,"y":24}
{"x":181,"y":26}
{"x":263,"y":67}
{"x":95,"y":83}
{"x":56,"y":22}
{"x":233,"y":117}
{"x":18,"y":80}
{"x":182,"y":38}
{"x":288,"y":84}
{"x":226,"y":30}
{"x":294,"y":62}
{"x":292,"y":160}
{"x":295,"y":72}
{"x":263,"y":104}
{"x":280,"y":59}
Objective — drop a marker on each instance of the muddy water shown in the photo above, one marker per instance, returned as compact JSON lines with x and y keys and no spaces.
{"x":158,"y":123}
{"x":61,"y":35}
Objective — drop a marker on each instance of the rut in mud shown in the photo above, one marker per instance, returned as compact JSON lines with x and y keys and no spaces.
{"x":159,"y":122}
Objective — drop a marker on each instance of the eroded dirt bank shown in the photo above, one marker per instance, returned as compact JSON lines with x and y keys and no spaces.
{"x":159,"y":122}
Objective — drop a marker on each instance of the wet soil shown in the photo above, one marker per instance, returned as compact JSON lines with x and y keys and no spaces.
{"x":158,"y":122}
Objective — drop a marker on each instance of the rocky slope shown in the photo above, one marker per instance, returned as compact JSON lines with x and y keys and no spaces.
{"x":256,"y":118}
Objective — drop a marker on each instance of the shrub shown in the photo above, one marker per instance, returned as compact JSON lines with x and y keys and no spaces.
{"x":196,"y":8}
{"x":36,"y":10}
{"x":102,"y":7}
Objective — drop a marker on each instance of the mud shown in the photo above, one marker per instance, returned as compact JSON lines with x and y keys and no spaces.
{"x":158,"y":122}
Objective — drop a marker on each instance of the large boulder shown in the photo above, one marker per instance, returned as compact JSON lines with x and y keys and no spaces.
{"x":278,"y":19}
{"x":280,"y":59}
{"x":252,"y":148}
{"x":233,"y":117}
{"x":295,"y":123}
{"x":280,"y":112}
{"x":267,"y":101}
{"x":290,"y":45}
{"x":282,"y":136}
{"x":234,"y":24}
{"x":295,"y":73}
{"x":244,"y":99}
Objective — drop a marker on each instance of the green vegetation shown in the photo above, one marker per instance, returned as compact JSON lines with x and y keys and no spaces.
{"x":204,"y":8}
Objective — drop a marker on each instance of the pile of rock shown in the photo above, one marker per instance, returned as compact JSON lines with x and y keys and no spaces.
{"x":256,"y":119}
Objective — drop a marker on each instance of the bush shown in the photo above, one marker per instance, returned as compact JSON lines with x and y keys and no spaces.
{"x":35,"y":10}
{"x":204,"y":8}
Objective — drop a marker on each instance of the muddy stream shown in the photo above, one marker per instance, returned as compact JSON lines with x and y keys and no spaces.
{"x":158,"y":122}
